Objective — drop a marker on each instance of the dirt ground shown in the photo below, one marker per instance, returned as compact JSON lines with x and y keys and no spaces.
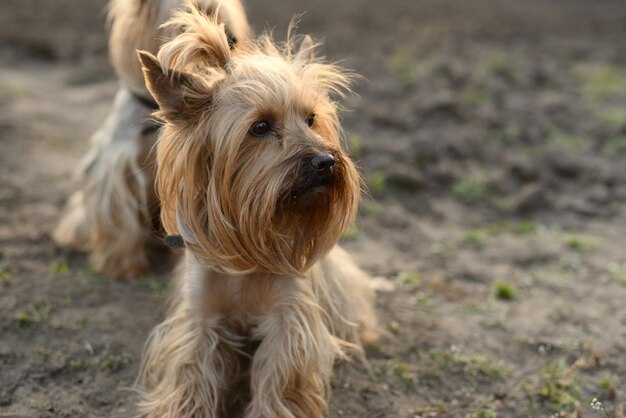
{"x":492,"y":136}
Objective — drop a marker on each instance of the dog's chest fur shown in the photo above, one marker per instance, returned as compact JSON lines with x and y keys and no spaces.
{"x":240,"y":298}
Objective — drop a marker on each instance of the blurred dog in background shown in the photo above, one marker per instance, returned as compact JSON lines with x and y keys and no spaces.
{"x":114,"y":214}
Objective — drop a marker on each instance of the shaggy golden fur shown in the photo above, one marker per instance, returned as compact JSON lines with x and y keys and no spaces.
{"x":114,"y":212}
{"x":267,"y":301}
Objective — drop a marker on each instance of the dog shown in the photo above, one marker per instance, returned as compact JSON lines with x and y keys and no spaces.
{"x":114,"y":214}
{"x":253,"y":180}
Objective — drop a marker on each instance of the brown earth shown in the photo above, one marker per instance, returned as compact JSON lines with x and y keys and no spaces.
{"x":492,"y":135}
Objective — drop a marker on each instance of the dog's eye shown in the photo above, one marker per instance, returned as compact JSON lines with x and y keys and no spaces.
{"x":310,"y":120}
{"x":260,"y":128}
{"x":232,"y":39}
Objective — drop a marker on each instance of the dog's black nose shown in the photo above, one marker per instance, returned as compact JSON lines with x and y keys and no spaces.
{"x":322,"y":162}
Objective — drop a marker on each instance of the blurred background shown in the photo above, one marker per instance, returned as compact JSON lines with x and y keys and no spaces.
{"x":492,"y":137}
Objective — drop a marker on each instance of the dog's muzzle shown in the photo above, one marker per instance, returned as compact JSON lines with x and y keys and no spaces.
{"x":321,"y":171}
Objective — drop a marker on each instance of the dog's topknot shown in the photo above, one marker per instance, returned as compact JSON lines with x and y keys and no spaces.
{"x":202,"y":41}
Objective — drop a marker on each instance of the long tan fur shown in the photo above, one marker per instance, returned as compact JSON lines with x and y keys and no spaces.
{"x":268,"y":302}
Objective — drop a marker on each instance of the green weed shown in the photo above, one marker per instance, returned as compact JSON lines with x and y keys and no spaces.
{"x":37,"y":312}
{"x":350,"y":234}
{"x":475,"y":367}
{"x":84,"y":321}
{"x":601,"y":81}
{"x":561,"y":386}
{"x":505,"y":291}
{"x":377,"y":182}
{"x":476,"y":238}
{"x":473,"y":97}
{"x":78,"y":365}
{"x":563,"y":139}
{"x":39,"y":404}
{"x":24,"y":319}
{"x":616,"y":144}
{"x":408,"y":278}
{"x":59,"y":267}
{"x":484,"y":413}
{"x":579,"y":242}
{"x":613,"y":117}
{"x":355,"y":145}
{"x":617,"y":273}
{"x":5,"y":276}
{"x":371,"y":208}
{"x":114,"y":359}
{"x":402,"y":64}
{"x":393,"y":326}
{"x":470,"y":191}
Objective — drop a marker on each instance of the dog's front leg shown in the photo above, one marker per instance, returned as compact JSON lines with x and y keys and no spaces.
{"x":186,"y":367}
{"x":292,"y":366}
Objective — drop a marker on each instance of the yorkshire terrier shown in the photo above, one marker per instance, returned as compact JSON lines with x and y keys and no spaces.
{"x":253,"y":179}
{"x":115,"y":211}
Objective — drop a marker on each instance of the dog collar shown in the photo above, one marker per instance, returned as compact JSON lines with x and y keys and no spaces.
{"x":174,"y":241}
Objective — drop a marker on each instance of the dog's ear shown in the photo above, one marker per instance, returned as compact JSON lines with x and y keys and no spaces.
{"x":307,"y":49}
{"x":180,"y":96}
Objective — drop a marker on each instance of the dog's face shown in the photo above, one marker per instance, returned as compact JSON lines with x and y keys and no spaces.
{"x":251,"y":172}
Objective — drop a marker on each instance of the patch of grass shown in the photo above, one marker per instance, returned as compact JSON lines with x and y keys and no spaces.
{"x":371,"y":208}
{"x":423,"y":298}
{"x":81,"y":283}
{"x":393,"y":326}
{"x":473,"y":97}
{"x":579,"y":242}
{"x":14,"y":89}
{"x":563,"y":139}
{"x":470,"y":191}
{"x":606,"y":383}
{"x":59,"y":267}
{"x":41,"y":310}
{"x":37,"y":312}
{"x":377,"y":182}
{"x":505,"y":291}
{"x":5,"y":276}
{"x":39,"y":404}
{"x":508,"y":227}
{"x":405,"y":373}
{"x":420,"y":161}
{"x":476,"y":238}
{"x":404,"y":66}
{"x":561,"y":385}
{"x":355,"y":145}
{"x":601,"y":81}
{"x":157,"y":287}
{"x":495,"y":62}
{"x":475,"y":367}
{"x":617,"y":273}
{"x":408,"y":278}
{"x":115,"y":359}
{"x":484,"y":413}
{"x":84,"y":321}
{"x":524,"y":228}
{"x":351,"y":233}
{"x":614,"y":117}
{"x":24,"y":319}
{"x":616,"y":144}
{"x":532,"y":408}
{"x":78,"y":365}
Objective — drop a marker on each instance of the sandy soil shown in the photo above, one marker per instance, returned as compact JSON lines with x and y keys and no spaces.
{"x":492,"y":135}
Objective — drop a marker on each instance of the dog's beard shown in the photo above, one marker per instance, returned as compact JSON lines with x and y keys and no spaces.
{"x":316,"y":210}
{"x":281,"y":223}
